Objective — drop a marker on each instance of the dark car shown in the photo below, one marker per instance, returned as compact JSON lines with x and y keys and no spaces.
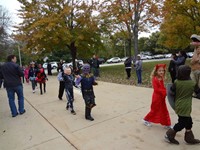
{"x":101,"y":60}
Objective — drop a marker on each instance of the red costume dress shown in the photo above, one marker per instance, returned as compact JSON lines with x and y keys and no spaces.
{"x":158,"y":112}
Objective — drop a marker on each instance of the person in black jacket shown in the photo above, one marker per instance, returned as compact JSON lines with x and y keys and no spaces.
{"x":128,"y":63}
{"x":49,"y":68}
{"x":12,"y":73}
{"x":172,"y":67}
{"x":61,"y":82}
{"x":95,"y":66}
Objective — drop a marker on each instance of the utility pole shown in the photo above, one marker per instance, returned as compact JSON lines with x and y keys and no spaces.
{"x":20,"y":61}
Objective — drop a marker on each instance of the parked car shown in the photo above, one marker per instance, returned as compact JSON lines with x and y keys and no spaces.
{"x":80,"y":62}
{"x":190,"y":54}
{"x":114,"y":60}
{"x":54,"y":65}
{"x":159,"y":56}
{"x":168,"y":55}
{"x":101,"y":60}
{"x":145,"y":57}
{"x":124,"y":58}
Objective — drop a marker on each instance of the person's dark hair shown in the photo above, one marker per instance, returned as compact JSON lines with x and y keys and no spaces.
{"x":10,"y":57}
{"x":183,"y":53}
{"x":184,"y":72}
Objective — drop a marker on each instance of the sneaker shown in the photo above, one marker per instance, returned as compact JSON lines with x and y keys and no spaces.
{"x":73,"y":112}
{"x":67,"y":107}
{"x":168,"y":127}
{"x":146,"y":123}
{"x":33,"y":91}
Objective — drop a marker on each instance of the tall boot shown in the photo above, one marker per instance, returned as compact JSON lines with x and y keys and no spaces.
{"x":170,"y":136}
{"x":88,"y":114}
{"x":189,"y":138}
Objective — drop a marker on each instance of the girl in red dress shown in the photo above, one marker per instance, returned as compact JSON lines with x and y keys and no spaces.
{"x":158,"y":112}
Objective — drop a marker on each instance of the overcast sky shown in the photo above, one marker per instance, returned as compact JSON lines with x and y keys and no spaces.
{"x":11,"y":6}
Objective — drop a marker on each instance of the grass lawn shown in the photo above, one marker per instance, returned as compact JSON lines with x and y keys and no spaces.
{"x":117,"y":74}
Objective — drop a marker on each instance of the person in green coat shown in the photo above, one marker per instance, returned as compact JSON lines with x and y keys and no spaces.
{"x":183,"y":89}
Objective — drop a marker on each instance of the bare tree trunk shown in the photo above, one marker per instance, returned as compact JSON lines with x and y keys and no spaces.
{"x":73,"y":51}
{"x":135,"y":29}
{"x":129,"y":47}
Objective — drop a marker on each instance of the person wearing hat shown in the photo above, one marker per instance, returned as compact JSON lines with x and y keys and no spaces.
{"x":195,"y":63}
{"x":87,"y":81}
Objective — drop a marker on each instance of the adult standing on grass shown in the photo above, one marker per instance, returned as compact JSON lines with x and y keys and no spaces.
{"x":12,"y":73}
{"x":95,"y":66}
{"x":182,"y":56}
{"x":128,"y":63}
{"x":138,"y":68}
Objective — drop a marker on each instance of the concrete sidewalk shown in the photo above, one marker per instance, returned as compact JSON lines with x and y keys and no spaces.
{"x":47,"y":125}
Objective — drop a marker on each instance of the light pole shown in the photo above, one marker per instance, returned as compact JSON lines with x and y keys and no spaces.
{"x":20,"y":61}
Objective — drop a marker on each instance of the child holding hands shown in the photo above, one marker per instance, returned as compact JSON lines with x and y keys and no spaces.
{"x":183,"y":89}
{"x":87,"y":81}
{"x":158,"y":112}
{"x":69,"y":79}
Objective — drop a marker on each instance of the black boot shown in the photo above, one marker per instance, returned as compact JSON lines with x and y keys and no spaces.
{"x":88,"y":114}
{"x":189,"y":138}
{"x":170,"y":136}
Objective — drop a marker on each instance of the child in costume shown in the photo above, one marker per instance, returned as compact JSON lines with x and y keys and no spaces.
{"x":26,"y":71}
{"x":41,"y":78}
{"x":87,"y":81}
{"x":183,"y":89}
{"x":68,"y":80}
{"x":158,"y":112}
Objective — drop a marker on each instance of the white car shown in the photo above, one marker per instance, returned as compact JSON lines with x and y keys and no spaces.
{"x":114,"y":60}
{"x":190,"y":54}
{"x":80,"y":62}
{"x":123,"y":59}
{"x":54,"y":65}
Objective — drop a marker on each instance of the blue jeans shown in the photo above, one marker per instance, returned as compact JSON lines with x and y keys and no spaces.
{"x":139,"y":76}
{"x":11,"y":98}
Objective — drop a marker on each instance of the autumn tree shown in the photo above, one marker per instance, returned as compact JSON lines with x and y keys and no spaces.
{"x":5,"y":21}
{"x":131,"y":17}
{"x":181,"y":20}
{"x":59,"y":24}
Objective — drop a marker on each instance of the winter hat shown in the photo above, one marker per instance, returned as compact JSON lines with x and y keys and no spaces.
{"x":86,"y":68}
{"x":184,"y":72}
